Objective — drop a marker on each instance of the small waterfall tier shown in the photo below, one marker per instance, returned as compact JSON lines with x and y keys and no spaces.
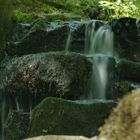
{"x":99,"y":48}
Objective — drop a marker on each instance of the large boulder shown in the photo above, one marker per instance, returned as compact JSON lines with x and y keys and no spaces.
{"x":40,"y":40}
{"x":44,"y":36}
{"x":128,"y":70}
{"x":127,"y":38}
{"x":28,"y":79}
{"x":63,"y":117}
{"x":16,"y":126}
{"x":124,"y":121}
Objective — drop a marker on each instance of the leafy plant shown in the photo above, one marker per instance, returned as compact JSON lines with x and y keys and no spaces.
{"x":117,"y":9}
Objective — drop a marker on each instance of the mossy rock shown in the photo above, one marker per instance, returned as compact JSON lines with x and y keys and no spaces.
{"x":127,"y":39}
{"x":122,"y":88}
{"x":124,"y":121}
{"x":63,"y":117}
{"x":16,"y":125}
{"x":30,"y":78}
{"x":44,"y":36}
{"x":128,"y":70}
{"x":40,"y":40}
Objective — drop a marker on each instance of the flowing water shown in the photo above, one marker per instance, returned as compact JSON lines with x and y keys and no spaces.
{"x":68,"y":43}
{"x":99,"y":48}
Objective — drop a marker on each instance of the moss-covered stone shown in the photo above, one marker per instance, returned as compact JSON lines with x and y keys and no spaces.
{"x":124,"y":121}
{"x":127,"y":39}
{"x":63,"y":117}
{"x":30,"y":78}
{"x":40,"y":40}
{"x":122,"y":88}
{"x":16,"y":125}
{"x":44,"y":36}
{"x":128,"y":70}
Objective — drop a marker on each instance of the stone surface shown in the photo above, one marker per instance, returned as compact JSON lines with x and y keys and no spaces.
{"x":128,"y":70}
{"x":28,"y":79}
{"x":40,"y":40}
{"x":127,"y":38}
{"x":63,"y":117}
{"x":16,"y":125}
{"x":56,"y":137}
{"x":122,"y":88}
{"x":124,"y":121}
{"x":44,"y":36}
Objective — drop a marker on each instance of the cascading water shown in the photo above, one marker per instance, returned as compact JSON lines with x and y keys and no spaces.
{"x":99,"y":48}
{"x":68,"y":43}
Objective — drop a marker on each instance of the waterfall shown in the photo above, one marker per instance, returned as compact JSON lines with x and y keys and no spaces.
{"x":68,"y":42}
{"x":99,"y":48}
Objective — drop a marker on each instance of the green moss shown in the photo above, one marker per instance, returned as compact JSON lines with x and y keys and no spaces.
{"x":83,"y":8}
{"x":62,"y":17}
{"x":22,"y":16}
{"x":38,"y":24}
{"x":16,"y":125}
{"x":128,"y":70}
{"x":58,"y":116}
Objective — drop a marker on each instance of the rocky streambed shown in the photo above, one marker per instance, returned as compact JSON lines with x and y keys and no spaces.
{"x":40,"y":82}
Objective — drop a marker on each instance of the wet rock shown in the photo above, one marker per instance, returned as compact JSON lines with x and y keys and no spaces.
{"x":16,"y":126}
{"x":81,"y":35}
{"x":62,"y":117}
{"x":127,"y":38}
{"x":28,"y":79}
{"x":44,"y":36}
{"x":41,"y":40}
{"x":20,"y":30}
{"x":62,"y":17}
{"x":122,"y":88}
{"x":128,"y":70}
{"x":124,"y":121}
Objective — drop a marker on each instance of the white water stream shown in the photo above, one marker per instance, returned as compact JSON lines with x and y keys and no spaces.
{"x":99,"y":48}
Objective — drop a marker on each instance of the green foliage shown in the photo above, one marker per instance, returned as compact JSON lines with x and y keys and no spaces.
{"x":118,"y":9}
{"x":5,"y":20}
{"x":137,"y":2}
{"x":22,"y":15}
{"x":94,"y":9}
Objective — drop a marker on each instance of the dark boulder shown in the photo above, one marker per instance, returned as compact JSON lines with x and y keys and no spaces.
{"x":44,"y":36}
{"x":30,"y":78}
{"x":127,"y":38}
{"x":40,"y":40}
{"x":16,"y":126}
{"x":64,"y":117}
{"x":128,"y":70}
